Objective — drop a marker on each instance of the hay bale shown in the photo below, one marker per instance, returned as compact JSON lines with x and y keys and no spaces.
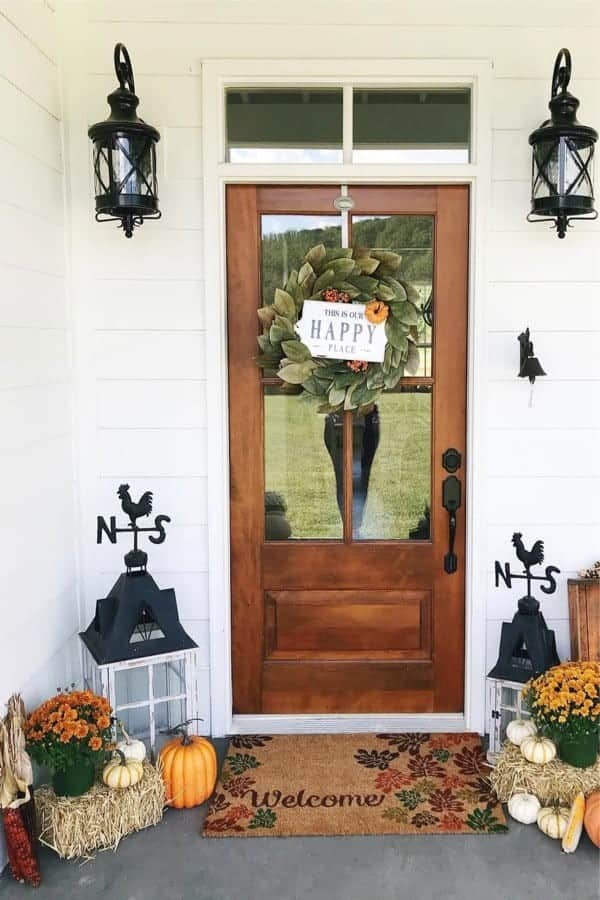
{"x":554,"y":781}
{"x":99,"y":819}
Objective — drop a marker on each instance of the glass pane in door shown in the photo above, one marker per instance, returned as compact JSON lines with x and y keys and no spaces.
{"x":286,"y":239}
{"x":412,"y":238}
{"x":391,"y":475}
{"x":304,"y":495}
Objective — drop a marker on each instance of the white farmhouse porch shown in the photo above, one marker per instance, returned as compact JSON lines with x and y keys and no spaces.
{"x":114,"y":369}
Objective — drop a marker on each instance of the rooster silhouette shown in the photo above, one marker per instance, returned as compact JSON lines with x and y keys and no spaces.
{"x":529,"y":558}
{"x":134,"y":510}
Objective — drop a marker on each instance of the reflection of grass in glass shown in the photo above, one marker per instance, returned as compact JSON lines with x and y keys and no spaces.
{"x":298,"y":466}
{"x":399,"y":487}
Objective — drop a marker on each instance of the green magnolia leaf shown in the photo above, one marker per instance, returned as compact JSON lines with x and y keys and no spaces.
{"x":267,"y":361}
{"x":349,"y":289}
{"x":327,"y":408}
{"x":315,"y":387}
{"x":413,"y":360}
{"x":281,"y":330}
{"x":396,"y":333}
{"x":396,"y":286}
{"x":295,"y":350}
{"x":364,"y":283}
{"x":399,"y":357}
{"x":384,"y":292}
{"x":306,"y":272}
{"x":375,"y":378}
{"x":341,"y":267}
{"x":316,"y":256}
{"x":405,"y":313}
{"x":390,"y":261}
{"x":296,"y":373}
{"x":391,"y":380}
{"x":344,"y":380}
{"x":386,"y":366}
{"x":284,"y":304}
{"x":266,"y":314}
{"x":336,"y":396}
{"x":338,"y":253}
{"x":324,"y":280}
{"x":263,"y":342}
{"x":367,"y":264}
{"x":411,"y":292}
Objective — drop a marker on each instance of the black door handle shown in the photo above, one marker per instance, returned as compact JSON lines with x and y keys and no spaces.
{"x":451,"y":500}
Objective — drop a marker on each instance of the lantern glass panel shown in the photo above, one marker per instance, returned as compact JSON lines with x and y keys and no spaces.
{"x":169,"y":713}
{"x":136,"y":721}
{"x":131,"y":686}
{"x":168,"y":678}
{"x":133,"y":164}
{"x":509,"y":698}
{"x":102,"y":178}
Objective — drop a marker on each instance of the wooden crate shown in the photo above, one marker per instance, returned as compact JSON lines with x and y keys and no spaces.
{"x":584,"y":618}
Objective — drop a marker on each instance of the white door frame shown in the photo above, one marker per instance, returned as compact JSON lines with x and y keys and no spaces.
{"x":216,"y":76}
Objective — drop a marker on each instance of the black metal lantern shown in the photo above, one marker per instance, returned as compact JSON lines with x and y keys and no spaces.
{"x":563,"y":150}
{"x":125,"y":156}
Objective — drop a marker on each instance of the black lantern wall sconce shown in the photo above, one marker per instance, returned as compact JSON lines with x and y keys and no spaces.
{"x":125,"y":156}
{"x":562,"y":186}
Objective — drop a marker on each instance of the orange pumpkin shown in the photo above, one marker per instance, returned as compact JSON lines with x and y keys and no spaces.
{"x":591,"y":819}
{"x":189,"y":769}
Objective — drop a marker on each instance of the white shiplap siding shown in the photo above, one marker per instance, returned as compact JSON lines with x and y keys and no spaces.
{"x":141,"y":303}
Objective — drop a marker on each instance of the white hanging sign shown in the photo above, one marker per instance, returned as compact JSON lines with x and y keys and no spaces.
{"x":341,"y":331}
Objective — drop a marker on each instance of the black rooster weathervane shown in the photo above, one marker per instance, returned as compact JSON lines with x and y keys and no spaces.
{"x":136,"y":558}
{"x":527,"y":645}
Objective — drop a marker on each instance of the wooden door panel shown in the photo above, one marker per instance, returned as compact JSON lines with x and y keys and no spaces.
{"x":353,"y":625}
{"x":347,"y":687}
{"x":342,"y":624}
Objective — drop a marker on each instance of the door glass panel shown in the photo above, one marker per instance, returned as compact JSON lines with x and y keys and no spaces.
{"x":279,"y":126}
{"x":284,"y":242}
{"x":412,"y":238}
{"x":304,"y":495}
{"x":418,"y":126}
{"x":391,"y":473}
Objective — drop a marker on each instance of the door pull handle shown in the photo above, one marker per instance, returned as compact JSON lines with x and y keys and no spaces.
{"x":451,"y":500}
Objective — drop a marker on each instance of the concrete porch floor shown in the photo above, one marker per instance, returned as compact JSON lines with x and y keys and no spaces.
{"x":173,"y":862}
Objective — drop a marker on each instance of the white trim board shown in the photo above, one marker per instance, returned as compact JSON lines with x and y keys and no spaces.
{"x":346,"y":724}
{"x":216,"y":76}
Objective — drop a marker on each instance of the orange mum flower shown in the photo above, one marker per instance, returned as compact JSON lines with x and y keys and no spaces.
{"x":103,"y":722}
{"x":377,"y":311}
{"x":95,"y":743}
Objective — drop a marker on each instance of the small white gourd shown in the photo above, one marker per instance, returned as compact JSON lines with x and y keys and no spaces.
{"x":538,"y":750}
{"x":131,"y":748}
{"x":524,"y":808}
{"x":121,"y":772}
{"x":519,"y":729}
{"x":553,"y":821}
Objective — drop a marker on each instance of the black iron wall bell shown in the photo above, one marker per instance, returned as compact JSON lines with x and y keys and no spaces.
{"x":562,"y":185}
{"x":529,"y":365}
{"x":125,"y":156}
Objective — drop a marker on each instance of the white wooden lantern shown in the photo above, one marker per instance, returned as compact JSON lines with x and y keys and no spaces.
{"x":504,"y":703}
{"x":148,"y":695}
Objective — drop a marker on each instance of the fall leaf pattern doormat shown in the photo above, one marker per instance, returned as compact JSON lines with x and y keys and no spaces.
{"x":281,"y":785}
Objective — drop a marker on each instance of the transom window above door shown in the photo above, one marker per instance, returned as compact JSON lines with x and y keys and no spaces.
{"x":335,"y":125}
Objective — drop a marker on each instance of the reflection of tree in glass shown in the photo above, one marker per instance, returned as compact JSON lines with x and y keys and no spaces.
{"x":283,"y":252}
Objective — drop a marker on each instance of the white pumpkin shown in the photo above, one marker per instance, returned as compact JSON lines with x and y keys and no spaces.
{"x":553,"y":821}
{"x":538,"y":750}
{"x":121,"y":772}
{"x":130,"y":747}
{"x":519,"y":729}
{"x":524,"y":808}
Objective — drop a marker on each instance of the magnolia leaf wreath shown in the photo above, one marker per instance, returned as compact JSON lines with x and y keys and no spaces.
{"x":353,"y":275}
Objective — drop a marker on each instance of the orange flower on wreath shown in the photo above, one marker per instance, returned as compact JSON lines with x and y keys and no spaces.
{"x":377,"y":311}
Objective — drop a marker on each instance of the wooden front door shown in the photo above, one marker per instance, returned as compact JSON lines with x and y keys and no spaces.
{"x":341,"y":602}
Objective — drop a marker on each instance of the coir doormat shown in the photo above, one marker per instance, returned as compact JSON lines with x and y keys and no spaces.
{"x":354,"y":784}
